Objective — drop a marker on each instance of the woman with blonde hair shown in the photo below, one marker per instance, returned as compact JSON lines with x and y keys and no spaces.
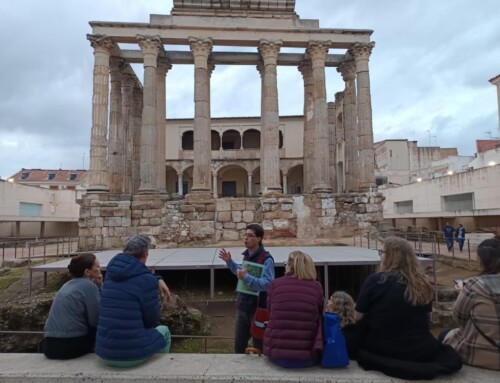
{"x":293,"y":337}
{"x":393,"y":309}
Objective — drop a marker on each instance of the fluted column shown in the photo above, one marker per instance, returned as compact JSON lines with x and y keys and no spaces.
{"x":201,"y":49}
{"x":332,"y":145}
{"x":339,"y":142}
{"x":116,"y":140}
{"x":269,"y":158}
{"x":137,"y":135}
{"x":128,"y":124}
{"x":308,"y":139}
{"x":163,"y":68}
{"x":317,"y":51}
{"x":361,"y":53}
{"x":150,"y":47}
{"x":98,"y":169}
{"x":351,"y":166}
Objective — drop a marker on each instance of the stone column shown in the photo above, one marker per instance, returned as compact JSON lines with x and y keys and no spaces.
{"x":201,"y":49}
{"x":361,"y":53}
{"x":150,"y":47}
{"x":98,"y":169}
{"x":317,"y":51}
{"x":180,"y":185}
{"x":249,"y":184}
{"x":128,"y":128}
{"x":308,"y":139}
{"x":339,"y":142}
{"x":116,"y":140}
{"x":214,"y":185}
{"x":496,"y":81}
{"x":285,"y":183}
{"x":269,"y":157}
{"x":351,"y":165}
{"x":163,"y":68}
{"x":332,"y":145}
{"x":137,"y":130}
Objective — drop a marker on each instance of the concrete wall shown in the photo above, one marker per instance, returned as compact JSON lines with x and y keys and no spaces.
{"x":427,"y":196}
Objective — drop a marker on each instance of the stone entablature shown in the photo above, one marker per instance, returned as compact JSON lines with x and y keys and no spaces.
{"x":109,"y":219}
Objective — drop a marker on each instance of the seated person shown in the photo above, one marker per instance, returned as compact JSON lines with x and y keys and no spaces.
{"x":130,"y":309}
{"x":342,"y":304}
{"x":293,"y":337}
{"x":393,"y":309}
{"x":477,"y":311}
{"x":70,"y":328}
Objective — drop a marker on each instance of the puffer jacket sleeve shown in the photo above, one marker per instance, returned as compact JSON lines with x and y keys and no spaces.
{"x":151,"y":303}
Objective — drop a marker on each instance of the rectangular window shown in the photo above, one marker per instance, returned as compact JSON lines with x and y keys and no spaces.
{"x":51,"y":176}
{"x":403,"y":207}
{"x":73,"y":176}
{"x":25,"y":175}
{"x":30,"y":209}
{"x":458,"y":202}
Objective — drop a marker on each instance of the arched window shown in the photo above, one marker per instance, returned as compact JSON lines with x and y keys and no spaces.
{"x":188,"y":140}
{"x":251,"y":139}
{"x":215,"y":140}
{"x":231,"y":139}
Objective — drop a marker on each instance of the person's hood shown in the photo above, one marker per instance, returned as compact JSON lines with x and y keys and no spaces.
{"x":124,"y":266}
{"x":488,"y":286}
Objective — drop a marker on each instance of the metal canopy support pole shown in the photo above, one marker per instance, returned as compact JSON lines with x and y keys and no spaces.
{"x":212,"y":282}
{"x":435,"y":279}
{"x":327,"y":287}
{"x":31,"y":282}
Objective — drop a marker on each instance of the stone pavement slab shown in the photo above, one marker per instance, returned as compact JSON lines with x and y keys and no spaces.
{"x":197,"y":368}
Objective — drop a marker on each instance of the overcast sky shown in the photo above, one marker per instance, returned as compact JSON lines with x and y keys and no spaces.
{"x":429,"y":73}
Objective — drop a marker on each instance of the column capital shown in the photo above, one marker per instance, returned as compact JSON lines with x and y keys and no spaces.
{"x":149,"y":44}
{"x":164,"y":65}
{"x":305,"y":68}
{"x":339,"y":97}
{"x":128,"y":79}
{"x":260,"y":67}
{"x":101,"y":43}
{"x":200,"y":47}
{"x":317,"y":51}
{"x":210,"y":66}
{"x":117,"y":63}
{"x":269,"y":50}
{"x":362,"y":51}
{"x":348,"y":70}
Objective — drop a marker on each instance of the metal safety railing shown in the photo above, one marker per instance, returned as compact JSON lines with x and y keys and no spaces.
{"x":205,"y":338}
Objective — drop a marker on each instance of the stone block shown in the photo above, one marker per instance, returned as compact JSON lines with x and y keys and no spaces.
{"x":248,"y":216}
{"x":281,"y":224}
{"x":95,"y":211}
{"x":207,"y":216}
{"x":155,"y":221}
{"x":202,"y":228}
{"x":238,"y":205}
{"x":241,"y":226}
{"x":285,"y":200}
{"x":109,"y":204}
{"x":99,"y":222}
{"x":327,"y":221}
{"x":223,"y":205}
{"x":153,"y":213}
{"x":210,"y":207}
{"x":267,"y":225}
{"x":361,"y":208}
{"x":112,"y":221}
{"x":229,"y":225}
{"x":224,"y":216}
{"x":140,"y":205}
{"x":121,"y":212}
{"x":252,"y":205}
{"x":136,"y":214}
{"x":230,"y":235}
{"x":236,"y":216}
{"x":286,"y":206}
{"x":218,"y":226}
{"x":191,"y":216}
{"x":126,"y":222}
{"x":372,"y":208}
{"x":200,"y":208}
{"x":362,"y":199}
{"x":91,"y":222}
{"x":187,"y":208}
{"x":144,"y":222}
{"x":270,"y":206}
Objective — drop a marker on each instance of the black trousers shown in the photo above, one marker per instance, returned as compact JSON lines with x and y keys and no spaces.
{"x":69,"y":348}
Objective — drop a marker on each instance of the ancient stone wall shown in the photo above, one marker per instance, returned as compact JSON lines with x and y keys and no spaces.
{"x":107,"y":220}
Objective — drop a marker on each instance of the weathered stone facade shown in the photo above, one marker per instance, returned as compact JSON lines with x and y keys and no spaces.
{"x":107,"y":220}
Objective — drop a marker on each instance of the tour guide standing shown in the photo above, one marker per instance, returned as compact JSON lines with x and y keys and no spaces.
{"x":247,"y":304}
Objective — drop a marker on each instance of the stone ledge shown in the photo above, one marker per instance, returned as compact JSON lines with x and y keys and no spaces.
{"x":198,"y":368}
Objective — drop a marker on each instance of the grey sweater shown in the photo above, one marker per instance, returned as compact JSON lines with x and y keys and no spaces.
{"x":75,"y":308}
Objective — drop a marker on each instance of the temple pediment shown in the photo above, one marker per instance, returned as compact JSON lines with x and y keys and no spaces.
{"x":238,"y":8}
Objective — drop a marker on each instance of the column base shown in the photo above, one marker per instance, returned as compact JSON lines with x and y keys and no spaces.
{"x":322,"y":190}
{"x":273,"y":193}
{"x":98,"y":189}
{"x":147,"y":191}
{"x":199,"y":195}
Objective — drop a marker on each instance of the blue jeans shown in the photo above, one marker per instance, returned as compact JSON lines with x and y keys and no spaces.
{"x":242,"y":332}
{"x":449,"y":243}
{"x":461,"y":242}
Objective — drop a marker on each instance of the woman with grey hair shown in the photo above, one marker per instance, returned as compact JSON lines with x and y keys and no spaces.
{"x":130,"y":309}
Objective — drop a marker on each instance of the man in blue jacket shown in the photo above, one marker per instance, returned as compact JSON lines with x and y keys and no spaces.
{"x":130,"y":309}
{"x":448,"y":232}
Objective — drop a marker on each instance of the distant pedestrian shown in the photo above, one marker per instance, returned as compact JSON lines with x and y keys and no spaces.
{"x":460,"y":234}
{"x":448,"y":232}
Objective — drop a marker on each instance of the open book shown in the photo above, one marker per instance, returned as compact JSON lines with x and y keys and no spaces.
{"x":254,"y":269}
